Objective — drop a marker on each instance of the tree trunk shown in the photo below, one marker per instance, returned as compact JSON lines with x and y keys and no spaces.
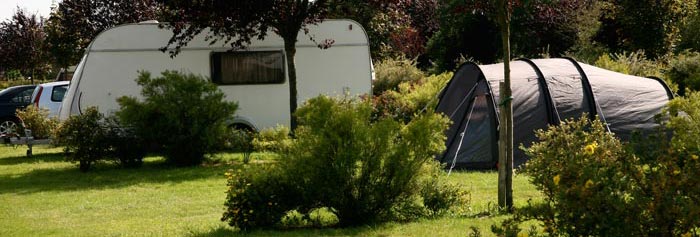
{"x":291,"y":50}
{"x":505,"y":140}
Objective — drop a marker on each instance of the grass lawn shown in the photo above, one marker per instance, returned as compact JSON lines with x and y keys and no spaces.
{"x":46,"y":196}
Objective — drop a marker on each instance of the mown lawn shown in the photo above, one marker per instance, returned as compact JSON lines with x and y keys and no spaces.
{"x":46,"y":196}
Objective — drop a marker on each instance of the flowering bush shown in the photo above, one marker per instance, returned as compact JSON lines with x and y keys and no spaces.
{"x":577,"y":167}
{"x":596,"y":186}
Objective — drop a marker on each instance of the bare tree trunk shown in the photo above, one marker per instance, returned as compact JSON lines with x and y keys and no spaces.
{"x":290,"y":50}
{"x":505,"y":140}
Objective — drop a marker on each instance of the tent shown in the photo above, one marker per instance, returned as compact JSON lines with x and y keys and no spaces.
{"x":545,"y":91}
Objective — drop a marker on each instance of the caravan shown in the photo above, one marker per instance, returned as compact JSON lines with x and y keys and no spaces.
{"x":255,"y":77}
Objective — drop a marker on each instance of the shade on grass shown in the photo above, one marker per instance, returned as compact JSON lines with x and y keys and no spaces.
{"x":46,"y":196}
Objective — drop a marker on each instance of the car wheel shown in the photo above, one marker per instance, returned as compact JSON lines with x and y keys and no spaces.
{"x":8,"y":127}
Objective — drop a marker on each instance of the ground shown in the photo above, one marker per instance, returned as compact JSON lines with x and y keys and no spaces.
{"x":46,"y":196}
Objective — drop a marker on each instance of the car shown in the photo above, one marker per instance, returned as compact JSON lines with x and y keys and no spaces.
{"x":50,"y":96}
{"x":11,"y":99}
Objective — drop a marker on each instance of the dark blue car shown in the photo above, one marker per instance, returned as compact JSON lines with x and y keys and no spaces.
{"x":11,"y":99}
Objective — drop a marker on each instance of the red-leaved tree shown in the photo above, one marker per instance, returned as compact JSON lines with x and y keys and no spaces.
{"x":21,"y":44}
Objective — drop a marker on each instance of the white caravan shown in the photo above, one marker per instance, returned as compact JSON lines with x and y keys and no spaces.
{"x":255,"y":77}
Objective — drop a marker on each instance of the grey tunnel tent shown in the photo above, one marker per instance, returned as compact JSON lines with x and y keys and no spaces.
{"x":545,"y":91}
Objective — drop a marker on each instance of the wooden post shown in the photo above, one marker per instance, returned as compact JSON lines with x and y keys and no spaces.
{"x":505,"y":139}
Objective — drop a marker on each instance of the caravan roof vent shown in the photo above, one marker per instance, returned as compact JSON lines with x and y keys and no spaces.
{"x":149,"y":22}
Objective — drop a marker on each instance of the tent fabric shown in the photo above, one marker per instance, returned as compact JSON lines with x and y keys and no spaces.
{"x":545,"y":92}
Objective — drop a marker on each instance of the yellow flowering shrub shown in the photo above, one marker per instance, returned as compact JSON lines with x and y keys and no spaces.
{"x":595,"y":185}
{"x":568,"y":165}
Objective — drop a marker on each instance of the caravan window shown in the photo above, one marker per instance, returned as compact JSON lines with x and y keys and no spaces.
{"x":245,"y":68}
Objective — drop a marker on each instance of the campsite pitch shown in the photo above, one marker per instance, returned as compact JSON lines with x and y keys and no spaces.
{"x":46,"y":196}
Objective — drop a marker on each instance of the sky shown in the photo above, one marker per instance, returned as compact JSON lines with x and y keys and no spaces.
{"x":7,"y":7}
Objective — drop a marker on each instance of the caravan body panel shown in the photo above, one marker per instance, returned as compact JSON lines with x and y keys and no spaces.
{"x":113,"y":60}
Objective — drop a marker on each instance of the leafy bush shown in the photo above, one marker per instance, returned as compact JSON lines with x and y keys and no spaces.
{"x":410,"y":99}
{"x":84,"y":138}
{"x":391,"y":72}
{"x":634,"y":63}
{"x":684,"y":70}
{"x":184,"y":115}
{"x":439,"y":196}
{"x":272,"y":139}
{"x":361,"y":171}
{"x":257,"y":196}
{"x":126,"y":148}
{"x":690,"y":34}
{"x":241,"y":141}
{"x":596,"y":186}
{"x":577,"y":167}
{"x":38,"y":121}
{"x":90,"y":137}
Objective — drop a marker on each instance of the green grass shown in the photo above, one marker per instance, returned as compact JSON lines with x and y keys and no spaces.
{"x":46,"y":196}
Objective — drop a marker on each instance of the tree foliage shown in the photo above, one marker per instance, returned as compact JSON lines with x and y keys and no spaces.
{"x":394,"y":27}
{"x":22,"y":42}
{"x":237,"y":23}
{"x":74,"y":24}
{"x":470,"y":29}
{"x":649,"y":25}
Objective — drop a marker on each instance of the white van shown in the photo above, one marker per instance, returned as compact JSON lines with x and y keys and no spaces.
{"x":255,"y":77}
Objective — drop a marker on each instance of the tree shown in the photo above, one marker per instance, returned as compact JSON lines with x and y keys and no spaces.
{"x":74,"y":24}
{"x":648,"y":25}
{"x":238,"y":22}
{"x":469,"y":29}
{"x":505,"y":139}
{"x":21,"y":44}
{"x":394,"y":27}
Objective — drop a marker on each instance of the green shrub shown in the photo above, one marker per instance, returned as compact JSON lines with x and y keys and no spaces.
{"x":577,"y":167}
{"x":240,"y":141}
{"x":90,"y":137}
{"x":361,"y":171}
{"x":593,"y":185}
{"x":272,"y":139}
{"x":126,"y":148}
{"x":184,"y":115}
{"x":684,"y":70}
{"x":410,"y":99}
{"x":439,"y":196}
{"x":84,"y":138}
{"x":257,"y":196}
{"x":38,"y":121}
{"x":690,"y":34}
{"x":634,"y":63}
{"x":391,"y":72}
